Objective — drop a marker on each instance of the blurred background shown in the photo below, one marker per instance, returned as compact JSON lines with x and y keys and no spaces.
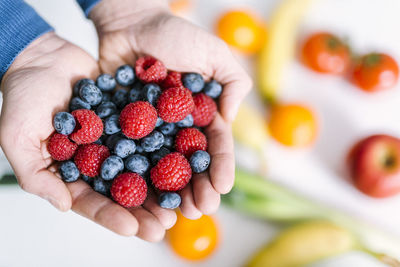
{"x":325,"y":79}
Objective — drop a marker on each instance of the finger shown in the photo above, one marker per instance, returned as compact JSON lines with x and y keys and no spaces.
{"x":102,"y":210}
{"x":220,"y":147}
{"x":48,"y":186}
{"x":206,"y":198}
{"x":237,"y":83}
{"x":121,"y":53}
{"x":32,"y":174}
{"x":150,"y":228}
{"x":188,"y":206}
{"x":166,"y":217}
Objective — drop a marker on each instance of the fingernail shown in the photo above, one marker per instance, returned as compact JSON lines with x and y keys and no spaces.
{"x":53,"y":202}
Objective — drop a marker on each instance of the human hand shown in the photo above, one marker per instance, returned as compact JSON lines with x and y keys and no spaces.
{"x":37,"y":86}
{"x":130,"y":29}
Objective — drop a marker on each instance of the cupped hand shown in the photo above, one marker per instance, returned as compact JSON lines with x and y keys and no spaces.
{"x":37,"y":86}
{"x":130,"y":29}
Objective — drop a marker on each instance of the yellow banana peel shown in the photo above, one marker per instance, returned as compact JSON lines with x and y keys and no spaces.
{"x":280,"y":46}
{"x":305,"y":243}
{"x":250,"y":127}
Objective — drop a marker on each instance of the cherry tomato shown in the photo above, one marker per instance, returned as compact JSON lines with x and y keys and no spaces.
{"x":325,"y":53}
{"x":293,"y":125}
{"x":242,"y":29}
{"x":193,"y":239}
{"x":375,"y":72}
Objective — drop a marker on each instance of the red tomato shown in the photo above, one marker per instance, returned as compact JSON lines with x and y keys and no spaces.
{"x":326,"y":53}
{"x":375,"y":72}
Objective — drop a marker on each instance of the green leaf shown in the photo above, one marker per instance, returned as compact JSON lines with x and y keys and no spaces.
{"x":8,"y":179}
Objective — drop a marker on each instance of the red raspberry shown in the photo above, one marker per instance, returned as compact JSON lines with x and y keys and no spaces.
{"x":60,"y":147}
{"x":138,"y":119}
{"x":189,"y":140}
{"x":175,"y":104}
{"x":129,"y":189}
{"x":89,"y":158}
{"x":173,"y":80}
{"x":171,"y":173}
{"x":204,"y":110}
{"x":150,"y":70}
{"x":89,"y":127}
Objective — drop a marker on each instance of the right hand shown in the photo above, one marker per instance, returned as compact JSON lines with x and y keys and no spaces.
{"x":37,"y":86}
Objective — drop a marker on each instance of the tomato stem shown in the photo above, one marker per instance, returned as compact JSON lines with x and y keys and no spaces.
{"x":372,"y":59}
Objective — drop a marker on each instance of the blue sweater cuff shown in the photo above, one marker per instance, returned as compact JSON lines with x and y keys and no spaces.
{"x":20,"y":25}
{"x":87,"y":5}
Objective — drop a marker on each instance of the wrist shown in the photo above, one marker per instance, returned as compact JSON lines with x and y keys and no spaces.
{"x":42,"y":46}
{"x":114,"y":15}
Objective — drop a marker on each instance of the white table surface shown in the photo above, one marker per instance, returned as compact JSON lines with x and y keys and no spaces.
{"x":32,"y":233}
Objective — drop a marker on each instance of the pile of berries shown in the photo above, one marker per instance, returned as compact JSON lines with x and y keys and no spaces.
{"x":138,"y":129}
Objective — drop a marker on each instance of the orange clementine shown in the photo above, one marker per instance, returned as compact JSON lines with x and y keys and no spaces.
{"x":242,"y":29}
{"x":193,"y":239}
{"x":293,"y":125}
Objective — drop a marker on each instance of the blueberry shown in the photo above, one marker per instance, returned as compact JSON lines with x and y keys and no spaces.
{"x":87,"y":179}
{"x":106,"y":82}
{"x":186,"y":122}
{"x":124,"y":147}
{"x":137,"y":163}
{"x":69,"y":172}
{"x":193,"y":81}
{"x":138,"y":85}
{"x":91,"y":94}
{"x":111,"y":167}
{"x":159,"y":122}
{"x":159,"y":154}
{"x":139,"y":149}
{"x":213,"y":89}
{"x":106,"y":109}
{"x":168,"y":141}
{"x":64,"y":123}
{"x":111,"y":124}
{"x":125,"y":75}
{"x":77,"y":103}
{"x":112,"y":140}
{"x":103,"y":138}
{"x":120,"y":98}
{"x":199,"y":161}
{"x":79,"y":83}
{"x":151,"y":92}
{"x":98,"y":142}
{"x":168,"y":129}
{"x":101,"y":186}
{"x":152,"y":142}
{"x":169,"y":200}
{"x":106,"y":97}
{"x":135,"y":95}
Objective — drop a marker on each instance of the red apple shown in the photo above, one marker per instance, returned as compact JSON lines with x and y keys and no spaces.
{"x":375,"y":165}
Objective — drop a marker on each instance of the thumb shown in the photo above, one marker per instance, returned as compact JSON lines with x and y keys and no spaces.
{"x":236,"y":82}
{"x":33,"y":176}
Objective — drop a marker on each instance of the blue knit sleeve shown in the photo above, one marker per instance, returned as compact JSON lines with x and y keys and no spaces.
{"x":19,"y":26}
{"x":87,"y":5}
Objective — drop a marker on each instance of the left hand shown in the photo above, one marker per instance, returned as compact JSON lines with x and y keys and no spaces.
{"x":130,"y":29}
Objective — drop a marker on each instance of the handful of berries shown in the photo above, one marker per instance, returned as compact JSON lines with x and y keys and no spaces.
{"x":138,"y":129}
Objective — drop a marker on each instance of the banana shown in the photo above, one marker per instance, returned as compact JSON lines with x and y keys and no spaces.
{"x":280,"y":46}
{"x":250,"y":127}
{"x":305,"y":243}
